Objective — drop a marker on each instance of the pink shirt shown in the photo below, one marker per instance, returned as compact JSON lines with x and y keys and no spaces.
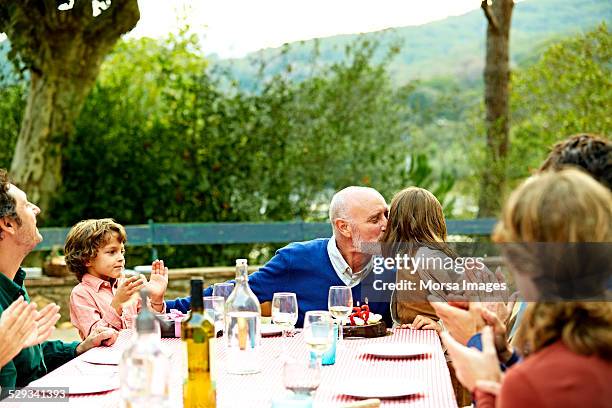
{"x":90,"y":306}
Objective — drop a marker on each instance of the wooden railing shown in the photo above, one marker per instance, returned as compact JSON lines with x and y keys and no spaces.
{"x":155,"y":234}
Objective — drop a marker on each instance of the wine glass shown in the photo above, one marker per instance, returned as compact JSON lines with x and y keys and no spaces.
{"x":340,"y":304}
{"x":284,"y":313}
{"x":318,"y":332}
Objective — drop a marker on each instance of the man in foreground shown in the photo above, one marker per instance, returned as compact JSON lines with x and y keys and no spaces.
{"x":18,"y":237}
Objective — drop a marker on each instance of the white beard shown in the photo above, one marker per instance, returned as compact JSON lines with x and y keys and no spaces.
{"x":356,"y":239}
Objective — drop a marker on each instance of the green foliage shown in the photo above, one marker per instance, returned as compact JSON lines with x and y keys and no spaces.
{"x":567,"y":91}
{"x":12,"y":104}
{"x":160,"y":139}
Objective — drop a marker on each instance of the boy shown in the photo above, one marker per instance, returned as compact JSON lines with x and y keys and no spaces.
{"x":94,"y":251}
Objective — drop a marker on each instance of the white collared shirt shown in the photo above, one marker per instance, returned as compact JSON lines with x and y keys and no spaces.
{"x":343,"y":270}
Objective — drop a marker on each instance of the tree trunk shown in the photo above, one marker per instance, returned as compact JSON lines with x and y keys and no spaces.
{"x":63,"y":51}
{"x":54,"y":102}
{"x":496,"y":80}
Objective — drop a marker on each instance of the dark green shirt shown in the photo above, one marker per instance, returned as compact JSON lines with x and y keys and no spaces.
{"x":33,"y":362}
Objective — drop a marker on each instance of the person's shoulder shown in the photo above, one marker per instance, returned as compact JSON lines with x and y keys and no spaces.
{"x":427,"y":252}
{"x":556,"y":357}
{"x":306,"y":246}
{"x":530,"y":382}
{"x":81,"y":290}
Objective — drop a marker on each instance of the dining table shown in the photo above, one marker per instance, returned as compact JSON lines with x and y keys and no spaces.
{"x":426,"y":374}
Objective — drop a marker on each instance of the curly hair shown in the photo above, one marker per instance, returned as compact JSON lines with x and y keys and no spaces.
{"x":591,"y":153}
{"x":86,"y":238}
{"x":8,"y":205}
{"x":563,"y":206}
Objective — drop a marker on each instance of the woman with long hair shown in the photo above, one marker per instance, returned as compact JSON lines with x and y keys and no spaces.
{"x":416,"y":228}
{"x":556,"y":230}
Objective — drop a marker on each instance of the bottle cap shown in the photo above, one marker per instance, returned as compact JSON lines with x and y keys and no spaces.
{"x":241,"y":262}
{"x":197,"y":289}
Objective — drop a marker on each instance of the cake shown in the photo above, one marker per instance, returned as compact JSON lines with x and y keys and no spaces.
{"x":362,"y":323}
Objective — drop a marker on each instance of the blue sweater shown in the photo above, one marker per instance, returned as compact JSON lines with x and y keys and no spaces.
{"x":303,"y":268}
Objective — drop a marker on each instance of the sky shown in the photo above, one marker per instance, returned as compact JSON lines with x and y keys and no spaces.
{"x":233,"y":28}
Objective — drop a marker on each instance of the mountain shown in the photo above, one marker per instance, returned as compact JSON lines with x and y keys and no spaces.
{"x":450,"y":47}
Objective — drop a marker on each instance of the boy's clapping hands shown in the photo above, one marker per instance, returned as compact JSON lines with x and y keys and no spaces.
{"x":158,"y":282}
{"x":126,"y":288}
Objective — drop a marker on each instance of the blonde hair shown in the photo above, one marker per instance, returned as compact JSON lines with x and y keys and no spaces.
{"x":84,"y":240}
{"x":584,"y":327}
{"x":567,"y":206}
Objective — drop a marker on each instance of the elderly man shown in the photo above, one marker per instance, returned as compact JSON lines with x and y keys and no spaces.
{"x":358,"y":215}
{"x":19,"y":236}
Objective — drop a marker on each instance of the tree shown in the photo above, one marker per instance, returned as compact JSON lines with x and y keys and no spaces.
{"x":61,"y":44}
{"x":566,"y":91}
{"x":496,"y":80}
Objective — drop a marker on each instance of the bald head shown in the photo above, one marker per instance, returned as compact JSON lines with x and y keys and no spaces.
{"x":345,"y":201}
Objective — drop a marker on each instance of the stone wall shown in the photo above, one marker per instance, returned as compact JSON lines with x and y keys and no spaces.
{"x":45,"y":290}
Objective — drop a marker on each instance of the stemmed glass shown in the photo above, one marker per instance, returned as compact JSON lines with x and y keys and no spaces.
{"x":318,"y":333}
{"x":340,"y":305}
{"x":284,"y":313}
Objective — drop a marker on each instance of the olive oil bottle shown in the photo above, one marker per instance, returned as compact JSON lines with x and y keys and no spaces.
{"x":198,"y":333}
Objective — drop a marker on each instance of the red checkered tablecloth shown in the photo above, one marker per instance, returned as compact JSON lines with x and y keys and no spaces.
{"x":258,"y":390}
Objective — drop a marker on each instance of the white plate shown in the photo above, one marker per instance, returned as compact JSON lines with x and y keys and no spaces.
{"x":396,"y":349}
{"x":380,"y":387}
{"x":102,"y":355}
{"x":79,"y":384}
{"x":270,"y":330}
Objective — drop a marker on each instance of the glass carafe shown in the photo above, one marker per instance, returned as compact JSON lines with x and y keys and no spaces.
{"x":242,"y":325}
{"x":144,"y":368}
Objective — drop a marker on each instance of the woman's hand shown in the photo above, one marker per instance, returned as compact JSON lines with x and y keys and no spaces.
{"x":472,"y":365}
{"x":461,"y":319}
{"x":503,"y":348}
{"x":17,"y":326}
{"x":421,"y":322}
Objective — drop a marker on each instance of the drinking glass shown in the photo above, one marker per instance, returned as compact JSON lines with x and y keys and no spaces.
{"x":318,"y":333}
{"x":340,"y":305}
{"x":284,"y":313}
{"x":214,"y":307}
{"x":126,"y":274}
{"x":223,"y":289}
{"x":301,"y":377}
